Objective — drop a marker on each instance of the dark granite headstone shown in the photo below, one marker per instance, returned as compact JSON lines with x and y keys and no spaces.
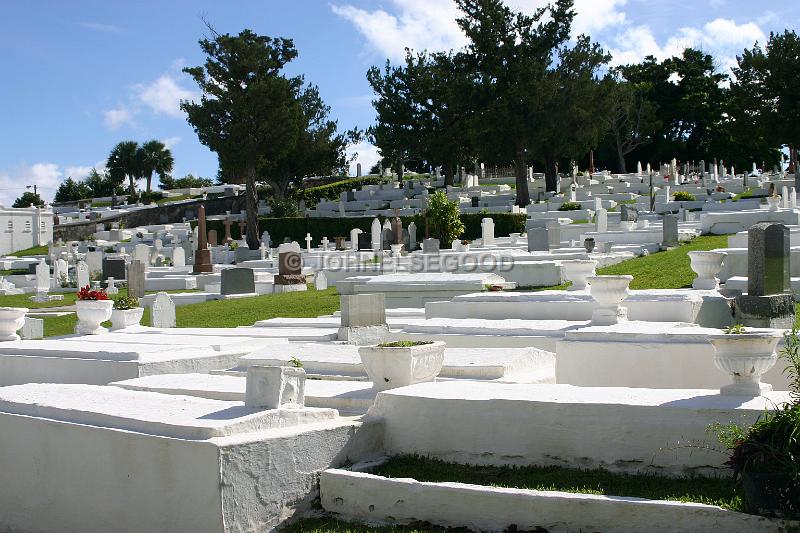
{"x":289,"y":264}
{"x":114,"y":267}
{"x":351,"y":196}
{"x":430,"y":246}
{"x":212,"y":237}
{"x":237,"y":281}
{"x":768,"y":259}
{"x":364,"y":241}
{"x":476,"y":201}
{"x":538,"y":240}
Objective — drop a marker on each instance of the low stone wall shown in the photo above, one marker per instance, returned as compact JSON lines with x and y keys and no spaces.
{"x":162,"y":214}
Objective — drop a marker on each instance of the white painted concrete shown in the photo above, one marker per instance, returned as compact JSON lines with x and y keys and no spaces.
{"x":615,"y":428}
{"x":377,"y":500}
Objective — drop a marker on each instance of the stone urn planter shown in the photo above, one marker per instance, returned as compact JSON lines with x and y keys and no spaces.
{"x":588,"y":244}
{"x":399,"y":364}
{"x":642,"y":223}
{"x":745,"y":357}
{"x":609,"y":292}
{"x":773,"y":202}
{"x":514,"y":238}
{"x":577,"y":272}
{"x":125,"y":318}
{"x":92,"y":313}
{"x":706,"y":265}
{"x":396,"y":248}
{"x":11,"y":320}
{"x":627,"y":225}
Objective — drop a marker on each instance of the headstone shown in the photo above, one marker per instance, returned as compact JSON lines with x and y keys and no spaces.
{"x":358,"y":169}
{"x":289,"y":264}
{"x":178,"y":257}
{"x":768,"y":259}
{"x":487,"y":231}
{"x":785,"y":197}
{"x":237,"y":281}
{"x":111,"y":288}
{"x":82,"y":274}
{"x":323,"y":243}
{"x":163,"y":312}
{"x":361,"y":310}
{"x":265,"y":239}
{"x":94,"y":261}
{"x":60,"y":273}
{"x":212,"y":237}
{"x":32,"y":329}
{"x":769,"y":301}
{"x":275,"y":387}
{"x":601,"y":221}
{"x":113,"y":267}
{"x":141,"y":252}
{"x":320,"y":281}
{"x":412,"y":237}
{"x":538,"y":239}
{"x":629,"y":213}
{"x":669,"y":236}
{"x":308,"y":242}
{"x":430,"y":246}
{"x":227,"y":223}
{"x":136,"y":279}
{"x":598,"y":203}
{"x":375,"y":234}
{"x":42,"y":276}
{"x":354,"y":233}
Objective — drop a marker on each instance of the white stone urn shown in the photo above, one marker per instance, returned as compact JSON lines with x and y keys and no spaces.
{"x":746,"y":357}
{"x":609,"y":292}
{"x":706,"y":265}
{"x":396,"y":248}
{"x":392,"y":367}
{"x":92,"y":313}
{"x":465,"y":247}
{"x":11,"y":320}
{"x":124,"y":318}
{"x":627,"y":225}
{"x":773,"y":202}
{"x":577,"y":272}
{"x":642,"y":223}
{"x":514,"y":238}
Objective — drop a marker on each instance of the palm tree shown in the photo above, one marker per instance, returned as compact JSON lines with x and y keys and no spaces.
{"x":125,"y":161}
{"x":155,"y":157}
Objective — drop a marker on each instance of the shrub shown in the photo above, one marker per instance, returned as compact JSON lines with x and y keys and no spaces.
{"x":86,"y":293}
{"x":126,"y":302}
{"x":683,"y":196}
{"x":283,"y":208}
{"x":313,"y":195}
{"x":570,"y":206}
{"x":443,"y":218}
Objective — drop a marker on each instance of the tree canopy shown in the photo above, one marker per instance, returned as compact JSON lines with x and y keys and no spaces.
{"x":28,"y":199}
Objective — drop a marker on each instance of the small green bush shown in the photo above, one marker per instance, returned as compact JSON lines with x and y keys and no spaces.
{"x":683,"y":196}
{"x":443,"y":218}
{"x":403,"y":344}
{"x":570,"y":206}
{"x":282,"y":208}
{"x":126,"y":302}
{"x":332,"y":191}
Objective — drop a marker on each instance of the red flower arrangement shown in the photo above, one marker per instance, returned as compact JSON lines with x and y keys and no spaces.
{"x":85,"y":293}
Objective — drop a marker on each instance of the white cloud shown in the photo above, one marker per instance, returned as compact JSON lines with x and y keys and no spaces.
{"x":170,"y":142}
{"x":722,"y":38}
{"x":115,"y":118}
{"x":431,"y":25}
{"x":163,"y":96}
{"x":77,"y":172}
{"x":367,"y":156}
{"x":46,"y":177}
{"x":103,"y":28}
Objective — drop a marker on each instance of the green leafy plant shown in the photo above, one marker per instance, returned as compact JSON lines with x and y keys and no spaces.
{"x":284,"y":207}
{"x":772,"y":444}
{"x":443,"y":218}
{"x":233,"y":245}
{"x":123,"y":303}
{"x":403,"y":344}
{"x":736,"y":329}
{"x":295,"y":362}
{"x":570,"y":206}
{"x":683,"y":196}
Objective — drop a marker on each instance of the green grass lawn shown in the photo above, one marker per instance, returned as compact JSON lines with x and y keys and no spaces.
{"x":214,"y":314}
{"x":665,"y":270}
{"x":36,"y":250}
{"x":711,"y":491}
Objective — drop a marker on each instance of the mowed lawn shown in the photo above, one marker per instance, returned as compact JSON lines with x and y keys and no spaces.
{"x":665,"y":270}
{"x":214,"y":314}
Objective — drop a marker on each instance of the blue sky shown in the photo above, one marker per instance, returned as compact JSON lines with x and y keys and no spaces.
{"x":80,"y":76}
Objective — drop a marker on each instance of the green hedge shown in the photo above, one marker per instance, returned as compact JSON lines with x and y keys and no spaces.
{"x":295,"y":229}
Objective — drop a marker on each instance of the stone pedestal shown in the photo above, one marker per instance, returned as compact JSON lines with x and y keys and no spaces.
{"x":772,"y":311}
